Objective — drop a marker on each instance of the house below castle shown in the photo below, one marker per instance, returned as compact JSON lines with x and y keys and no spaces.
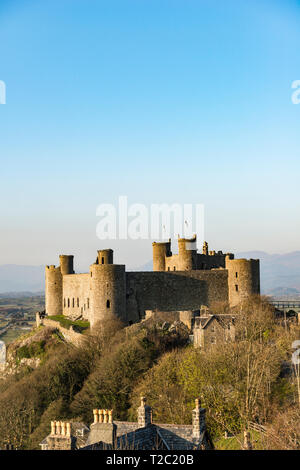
{"x":107,"y":434}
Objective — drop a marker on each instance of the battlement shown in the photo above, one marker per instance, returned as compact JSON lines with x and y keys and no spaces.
{"x":52,"y":267}
{"x":187,"y":258}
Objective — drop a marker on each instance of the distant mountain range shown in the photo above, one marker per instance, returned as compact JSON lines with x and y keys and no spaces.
{"x":280,"y":274}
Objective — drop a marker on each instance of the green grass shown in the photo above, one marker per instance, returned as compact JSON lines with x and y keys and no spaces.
{"x":78,"y":325}
{"x":35,"y":349}
{"x":233,"y":443}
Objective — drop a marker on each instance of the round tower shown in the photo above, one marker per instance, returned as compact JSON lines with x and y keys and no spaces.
{"x":243,"y":279}
{"x":105,"y":256}
{"x":53,"y":291}
{"x":187,"y":251}
{"x":107,"y":292}
{"x":160,"y":251}
{"x":66,"y":264}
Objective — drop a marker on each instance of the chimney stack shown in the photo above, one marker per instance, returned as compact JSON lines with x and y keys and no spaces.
{"x":102,"y":429}
{"x":144,"y":414}
{"x":60,"y":437}
{"x":198,"y":420}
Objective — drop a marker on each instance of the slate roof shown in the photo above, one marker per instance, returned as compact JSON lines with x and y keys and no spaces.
{"x":152,"y":437}
{"x":224,"y":320}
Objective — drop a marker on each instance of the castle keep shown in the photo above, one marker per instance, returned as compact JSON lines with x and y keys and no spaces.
{"x":182,"y":283}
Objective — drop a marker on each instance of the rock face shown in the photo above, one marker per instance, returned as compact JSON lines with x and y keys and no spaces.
{"x":15,"y":361}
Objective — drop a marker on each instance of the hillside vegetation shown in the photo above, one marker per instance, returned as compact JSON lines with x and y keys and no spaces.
{"x":242,"y":384}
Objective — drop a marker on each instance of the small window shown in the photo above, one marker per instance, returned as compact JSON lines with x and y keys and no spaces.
{"x":68,"y":303}
{"x":236,"y":275}
{"x":212,"y":329}
{"x":213,"y":340}
{"x":73,"y":302}
{"x":168,"y":268}
{"x":91,"y":274}
{"x":174,"y":268}
{"x":88,"y":303}
{"x":102,"y":260}
{"x":64,"y":303}
{"x":77,"y":302}
{"x":236,"y":288}
{"x":108,"y":304}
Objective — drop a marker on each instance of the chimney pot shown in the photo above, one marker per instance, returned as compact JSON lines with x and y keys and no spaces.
{"x":53,"y":427}
{"x":96,"y":416}
{"x":58,"y":428}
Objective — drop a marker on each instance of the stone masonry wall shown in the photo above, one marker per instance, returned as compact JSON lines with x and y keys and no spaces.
{"x":70,"y":335}
{"x":76,"y":295}
{"x":174,"y":290}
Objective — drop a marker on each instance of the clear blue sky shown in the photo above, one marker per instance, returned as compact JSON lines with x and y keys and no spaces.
{"x":161,"y":100}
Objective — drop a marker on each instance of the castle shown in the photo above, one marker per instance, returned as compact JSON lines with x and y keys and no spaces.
{"x":181,"y":283}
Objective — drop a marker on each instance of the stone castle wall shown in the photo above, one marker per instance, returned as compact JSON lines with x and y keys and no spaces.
{"x":108,"y":292}
{"x":76,"y":296}
{"x":53,"y":290}
{"x":243,"y":279}
{"x":174,"y":291}
{"x":70,"y":335}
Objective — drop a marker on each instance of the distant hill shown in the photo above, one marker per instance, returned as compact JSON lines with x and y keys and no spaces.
{"x":15,"y":278}
{"x":280,"y":274}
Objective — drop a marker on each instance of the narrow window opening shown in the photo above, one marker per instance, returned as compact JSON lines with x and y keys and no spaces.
{"x":174,"y":268}
{"x":236,"y":275}
{"x":102,"y":260}
{"x":68,"y":303}
{"x":236,"y":288}
{"x":73,"y":303}
{"x":77,"y":302}
{"x":108,"y":304}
